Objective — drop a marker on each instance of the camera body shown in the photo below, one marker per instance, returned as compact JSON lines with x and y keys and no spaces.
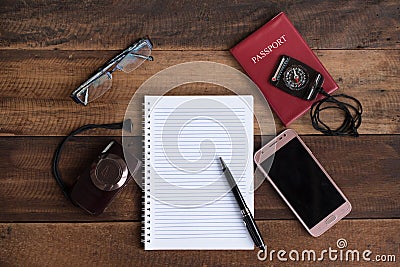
{"x":296,"y":78}
{"x":99,"y":184}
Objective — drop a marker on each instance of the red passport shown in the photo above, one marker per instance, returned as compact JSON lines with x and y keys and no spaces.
{"x":259,"y":54}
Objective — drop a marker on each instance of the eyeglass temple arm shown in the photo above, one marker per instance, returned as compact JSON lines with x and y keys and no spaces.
{"x":149,"y":58}
{"x":98,"y":73}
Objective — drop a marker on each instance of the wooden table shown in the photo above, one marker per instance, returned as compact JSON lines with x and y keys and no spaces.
{"x":47,"y":48}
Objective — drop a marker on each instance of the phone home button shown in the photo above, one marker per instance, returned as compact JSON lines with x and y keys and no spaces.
{"x":331,"y":219}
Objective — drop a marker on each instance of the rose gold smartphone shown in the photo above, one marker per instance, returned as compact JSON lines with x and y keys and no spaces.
{"x":302,"y":182}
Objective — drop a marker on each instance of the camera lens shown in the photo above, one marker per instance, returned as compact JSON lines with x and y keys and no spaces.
{"x":110,"y":173}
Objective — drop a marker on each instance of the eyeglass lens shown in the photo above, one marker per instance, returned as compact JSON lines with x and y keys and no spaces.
{"x":96,"y":89}
{"x":134,"y":59}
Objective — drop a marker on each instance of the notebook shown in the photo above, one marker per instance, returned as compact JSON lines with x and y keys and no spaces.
{"x":259,"y":53}
{"x":187,"y":200}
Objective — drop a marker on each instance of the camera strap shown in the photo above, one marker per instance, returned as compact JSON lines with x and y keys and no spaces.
{"x":352,"y":114}
{"x":57,"y":153}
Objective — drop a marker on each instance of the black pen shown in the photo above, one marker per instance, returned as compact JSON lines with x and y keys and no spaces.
{"x":247,"y":217}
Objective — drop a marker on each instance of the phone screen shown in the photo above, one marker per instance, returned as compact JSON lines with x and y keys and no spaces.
{"x":303,"y":183}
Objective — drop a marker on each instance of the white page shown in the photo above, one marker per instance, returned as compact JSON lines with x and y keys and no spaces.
{"x":189,"y":204}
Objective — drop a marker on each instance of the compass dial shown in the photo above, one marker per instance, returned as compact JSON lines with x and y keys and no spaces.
{"x":295,"y":77}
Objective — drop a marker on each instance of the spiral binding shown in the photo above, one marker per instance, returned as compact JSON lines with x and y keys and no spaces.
{"x":146,"y":215}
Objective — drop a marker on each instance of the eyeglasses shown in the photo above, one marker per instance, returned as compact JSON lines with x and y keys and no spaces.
{"x":126,"y":61}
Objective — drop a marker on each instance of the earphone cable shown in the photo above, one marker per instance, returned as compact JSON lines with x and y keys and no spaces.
{"x":352,"y":114}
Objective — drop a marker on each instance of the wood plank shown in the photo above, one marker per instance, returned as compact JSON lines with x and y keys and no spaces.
{"x":193,"y":25}
{"x":366,"y":169}
{"x":35,"y":88}
{"x":118,"y":244}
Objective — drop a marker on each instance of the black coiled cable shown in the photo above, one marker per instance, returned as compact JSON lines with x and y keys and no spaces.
{"x":352,"y":114}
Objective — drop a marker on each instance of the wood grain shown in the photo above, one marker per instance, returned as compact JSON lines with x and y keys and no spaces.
{"x":118,"y":244}
{"x":193,"y":25}
{"x":35,"y":88}
{"x":366,"y":169}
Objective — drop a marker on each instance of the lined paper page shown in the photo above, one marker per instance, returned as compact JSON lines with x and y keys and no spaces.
{"x":188,"y":200}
